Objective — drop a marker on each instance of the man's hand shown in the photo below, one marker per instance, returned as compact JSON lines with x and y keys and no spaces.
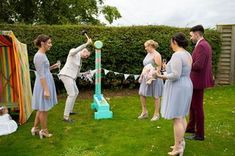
{"x":89,"y":41}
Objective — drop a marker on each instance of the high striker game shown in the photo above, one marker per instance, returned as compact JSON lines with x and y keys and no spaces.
{"x":99,"y":103}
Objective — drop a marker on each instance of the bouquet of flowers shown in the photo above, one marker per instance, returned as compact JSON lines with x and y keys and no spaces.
{"x":147,"y":73}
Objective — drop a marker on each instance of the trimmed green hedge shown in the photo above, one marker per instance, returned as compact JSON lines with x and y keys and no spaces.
{"x":123,"y":49}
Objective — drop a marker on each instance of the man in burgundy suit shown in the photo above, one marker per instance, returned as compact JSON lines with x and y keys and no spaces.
{"x":201,"y":76}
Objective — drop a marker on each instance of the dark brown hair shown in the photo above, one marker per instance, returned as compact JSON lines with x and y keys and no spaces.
{"x":198,"y":28}
{"x":41,"y":38}
{"x":180,"y":39}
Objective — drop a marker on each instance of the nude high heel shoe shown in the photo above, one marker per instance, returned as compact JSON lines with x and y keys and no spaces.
{"x":143,"y":115}
{"x":34,"y":131}
{"x":155,"y":118}
{"x":179,"y":151}
{"x":44,"y":133}
{"x":182,"y":143}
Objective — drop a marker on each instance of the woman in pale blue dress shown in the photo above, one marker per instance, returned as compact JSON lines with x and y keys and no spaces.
{"x":177,"y":92}
{"x":152,"y":88}
{"x":44,"y":92}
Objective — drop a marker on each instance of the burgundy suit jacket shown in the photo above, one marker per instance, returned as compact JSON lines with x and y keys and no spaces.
{"x":201,"y":73}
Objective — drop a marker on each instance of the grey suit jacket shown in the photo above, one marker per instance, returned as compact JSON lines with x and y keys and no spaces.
{"x":73,"y":63}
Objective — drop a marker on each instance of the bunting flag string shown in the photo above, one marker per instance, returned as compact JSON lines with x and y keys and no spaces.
{"x":116,"y":73}
{"x":88,"y":75}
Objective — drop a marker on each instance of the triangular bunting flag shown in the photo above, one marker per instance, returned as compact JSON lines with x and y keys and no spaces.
{"x":106,"y":71}
{"x":136,"y":76}
{"x":126,"y":76}
{"x":116,"y":73}
{"x":93,"y":72}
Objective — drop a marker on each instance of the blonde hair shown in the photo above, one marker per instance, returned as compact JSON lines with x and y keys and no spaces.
{"x":151,"y":43}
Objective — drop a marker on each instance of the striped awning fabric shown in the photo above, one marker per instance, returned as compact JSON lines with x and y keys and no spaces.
{"x":15,"y":77}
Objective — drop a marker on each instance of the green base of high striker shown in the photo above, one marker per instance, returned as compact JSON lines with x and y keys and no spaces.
{"x":102,"y":107}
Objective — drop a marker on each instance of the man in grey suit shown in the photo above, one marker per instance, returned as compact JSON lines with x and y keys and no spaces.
{"x":69,"y":74}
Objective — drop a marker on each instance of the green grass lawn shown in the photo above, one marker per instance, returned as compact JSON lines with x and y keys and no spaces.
{"x":124,"y":134}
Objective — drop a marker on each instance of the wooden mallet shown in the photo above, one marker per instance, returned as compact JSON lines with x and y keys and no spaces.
{"x":84,"y":32}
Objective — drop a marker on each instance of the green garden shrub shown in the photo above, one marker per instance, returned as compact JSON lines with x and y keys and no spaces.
{"x":123,"y":49}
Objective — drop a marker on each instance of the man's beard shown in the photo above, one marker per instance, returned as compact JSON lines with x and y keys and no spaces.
{"x":193,"y":43}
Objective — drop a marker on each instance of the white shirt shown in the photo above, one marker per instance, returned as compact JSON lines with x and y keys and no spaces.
{"x":199,"y":41}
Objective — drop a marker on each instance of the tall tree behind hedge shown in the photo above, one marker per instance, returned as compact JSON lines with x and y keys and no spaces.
{"x":56,"y":11}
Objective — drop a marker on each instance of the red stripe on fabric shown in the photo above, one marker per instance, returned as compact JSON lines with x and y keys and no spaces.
{"x":4,"y":41}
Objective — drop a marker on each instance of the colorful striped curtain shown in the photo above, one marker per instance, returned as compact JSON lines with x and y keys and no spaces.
{"x":0,"y":82}
{"x":15,"y":76}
